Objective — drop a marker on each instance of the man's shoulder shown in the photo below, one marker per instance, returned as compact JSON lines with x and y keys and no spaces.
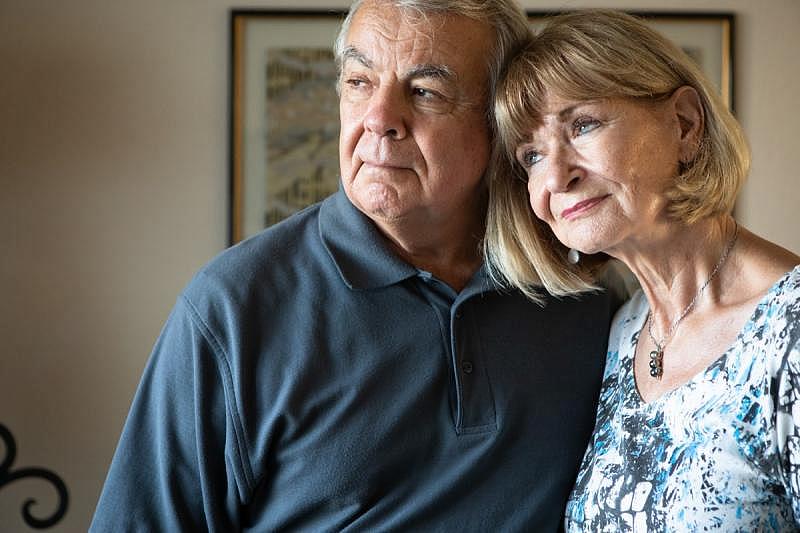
{"x":268,"y":255}
{"x":284,"y":239}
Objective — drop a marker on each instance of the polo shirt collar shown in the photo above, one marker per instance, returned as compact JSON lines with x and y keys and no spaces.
{"x":358,"y":249}
{"x":362,"y":255}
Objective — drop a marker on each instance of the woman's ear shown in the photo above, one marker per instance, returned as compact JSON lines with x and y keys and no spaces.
{"x":689,"y":112}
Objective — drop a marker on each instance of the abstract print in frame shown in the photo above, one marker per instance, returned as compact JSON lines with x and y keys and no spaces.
{"x":285,"y":115}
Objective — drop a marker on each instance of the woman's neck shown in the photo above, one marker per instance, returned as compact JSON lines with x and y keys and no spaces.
{"x":675,"y":264}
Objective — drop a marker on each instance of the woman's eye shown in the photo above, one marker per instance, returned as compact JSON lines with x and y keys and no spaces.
{"x":583,"y":126}
{"x":528,"y":158}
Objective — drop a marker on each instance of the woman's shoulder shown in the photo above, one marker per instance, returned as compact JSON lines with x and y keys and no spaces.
{"x":789,"y":284}
{"x":782,"y":301}
{"x":774,"y":327}
{"x":763,"y":264}
{"x":766,"y":278}
{"x":775,"y":280}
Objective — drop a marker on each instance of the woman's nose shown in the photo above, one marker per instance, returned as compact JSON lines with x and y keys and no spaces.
{"x":562,"y":171}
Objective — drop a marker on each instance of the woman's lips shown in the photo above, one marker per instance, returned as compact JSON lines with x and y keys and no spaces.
{"x":582,"y":206}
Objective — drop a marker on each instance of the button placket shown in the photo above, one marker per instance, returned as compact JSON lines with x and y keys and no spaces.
{"x":466,"y":365}
{"x":476,"y":410}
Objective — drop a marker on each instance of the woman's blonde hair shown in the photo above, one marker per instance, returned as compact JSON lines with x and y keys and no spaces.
{"x":591,"y":55}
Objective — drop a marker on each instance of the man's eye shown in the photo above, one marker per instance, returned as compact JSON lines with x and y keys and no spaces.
{"x":582,"y":126}
{"x":355,"y":88}
{"x":429,"y":100}
{"x":528,"y":157}
{"x":427,"y":94}
{"x":355,"y":82}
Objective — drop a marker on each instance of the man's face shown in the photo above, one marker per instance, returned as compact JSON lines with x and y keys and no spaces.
{"x":414,"y":138}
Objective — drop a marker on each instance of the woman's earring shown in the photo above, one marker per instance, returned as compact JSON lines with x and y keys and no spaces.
{"x":573,"y":256}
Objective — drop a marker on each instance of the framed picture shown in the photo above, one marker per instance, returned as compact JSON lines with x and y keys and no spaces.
{"x":285,"y":115}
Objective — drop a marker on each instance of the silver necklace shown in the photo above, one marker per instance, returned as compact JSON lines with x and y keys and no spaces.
{"x":657,"y":355}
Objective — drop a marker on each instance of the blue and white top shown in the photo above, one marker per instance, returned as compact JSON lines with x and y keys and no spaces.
{"x":720,"y":453}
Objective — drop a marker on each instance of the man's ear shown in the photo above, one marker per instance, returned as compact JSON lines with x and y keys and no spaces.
{"x":689,"y":112}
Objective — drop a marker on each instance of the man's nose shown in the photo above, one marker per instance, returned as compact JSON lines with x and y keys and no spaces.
{"x":386,"y":114}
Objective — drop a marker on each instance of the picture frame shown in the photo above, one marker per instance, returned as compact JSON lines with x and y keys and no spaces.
{"x":284,"y":115}
{"x":284,"y":110}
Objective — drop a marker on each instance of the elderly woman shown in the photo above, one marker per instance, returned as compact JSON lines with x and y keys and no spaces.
{"x":613,"y":144}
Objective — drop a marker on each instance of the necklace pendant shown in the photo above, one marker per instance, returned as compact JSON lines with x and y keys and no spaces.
{"x":657,"y":363}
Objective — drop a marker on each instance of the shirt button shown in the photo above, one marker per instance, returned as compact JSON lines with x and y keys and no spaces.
{"x":466,"y":366}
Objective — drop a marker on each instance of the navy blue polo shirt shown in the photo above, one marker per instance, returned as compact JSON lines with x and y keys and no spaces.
{"x":310,"y":380}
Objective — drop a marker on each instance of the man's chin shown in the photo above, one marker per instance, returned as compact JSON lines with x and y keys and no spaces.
{"x":376,"y":200}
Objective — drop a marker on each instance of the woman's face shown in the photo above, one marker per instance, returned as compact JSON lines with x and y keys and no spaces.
{"x":598,"y":170}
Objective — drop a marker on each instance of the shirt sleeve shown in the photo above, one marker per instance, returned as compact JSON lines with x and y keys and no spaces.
{"x":178,"y":465}
{"x":787,"y":417}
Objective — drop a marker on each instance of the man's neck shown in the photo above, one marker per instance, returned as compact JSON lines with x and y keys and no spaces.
{"x":451,"y":256}
{"x":454,"y":267}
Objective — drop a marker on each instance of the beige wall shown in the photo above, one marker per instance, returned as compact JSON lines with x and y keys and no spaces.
{"x":113,"y":190}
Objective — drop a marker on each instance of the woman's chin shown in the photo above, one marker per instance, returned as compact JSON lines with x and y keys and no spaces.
{"x":586,"y":248}
{"x":590,"y":242}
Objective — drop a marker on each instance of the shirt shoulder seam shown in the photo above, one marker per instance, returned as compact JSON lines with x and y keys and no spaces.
{"x":230,"y":399}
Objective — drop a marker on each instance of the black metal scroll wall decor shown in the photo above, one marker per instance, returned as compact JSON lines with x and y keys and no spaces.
{"x":7,"y":475}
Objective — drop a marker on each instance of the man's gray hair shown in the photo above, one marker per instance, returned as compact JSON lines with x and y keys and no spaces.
{"x":505,"y":17}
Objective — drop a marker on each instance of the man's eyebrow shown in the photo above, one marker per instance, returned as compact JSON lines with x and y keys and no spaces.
{"x":351,"y":53}
{"x":428,"y":70}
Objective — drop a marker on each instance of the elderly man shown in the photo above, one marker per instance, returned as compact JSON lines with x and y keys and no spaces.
{"x":354,"y":367}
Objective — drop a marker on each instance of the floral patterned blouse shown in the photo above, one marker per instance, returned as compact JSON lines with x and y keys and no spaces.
{"x":720,"y":453}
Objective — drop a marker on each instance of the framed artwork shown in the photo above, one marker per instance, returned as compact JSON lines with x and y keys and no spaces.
{"x":706,"y":38}
{"x":284,"y":109}
{"x":285,"y":115}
